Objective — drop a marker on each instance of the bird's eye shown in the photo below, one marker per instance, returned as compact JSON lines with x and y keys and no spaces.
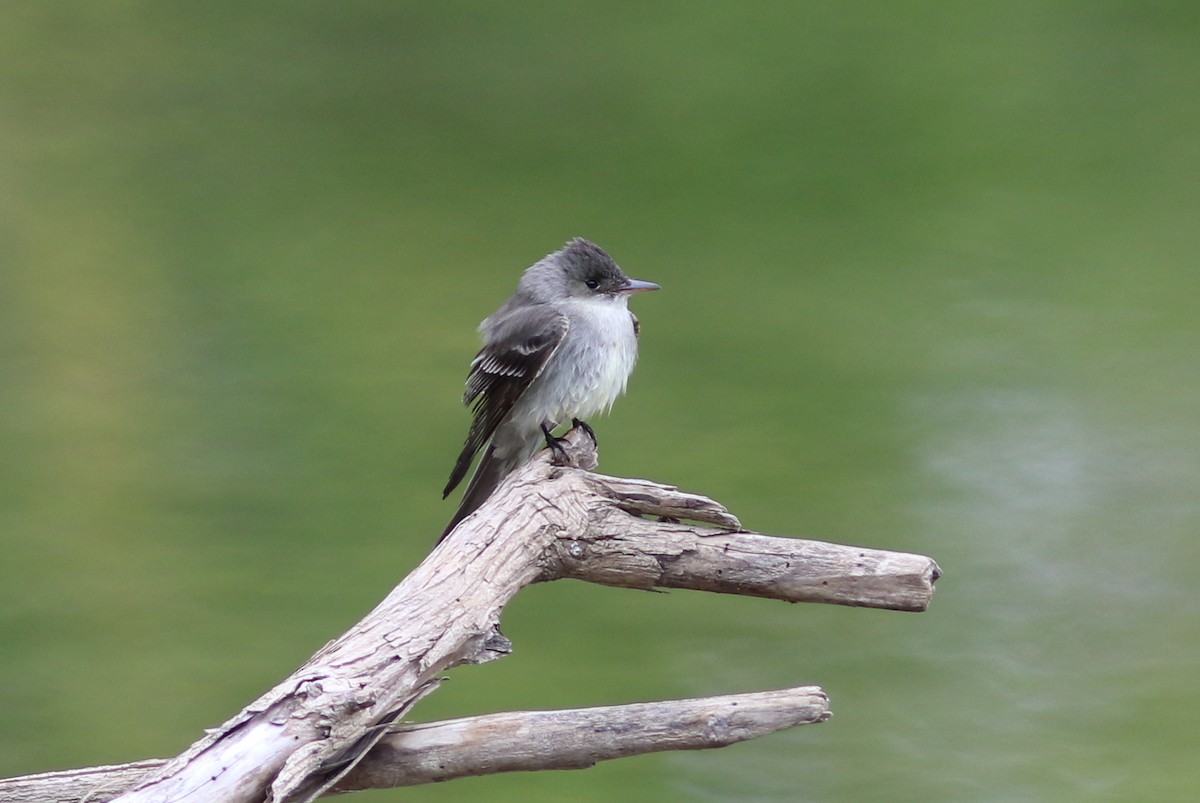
{"x":592,"y":284}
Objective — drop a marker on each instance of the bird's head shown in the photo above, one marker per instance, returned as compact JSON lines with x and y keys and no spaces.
{"x":582,"y":270}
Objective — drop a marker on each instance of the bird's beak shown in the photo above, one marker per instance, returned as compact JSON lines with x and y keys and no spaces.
{"x":635,"y":286}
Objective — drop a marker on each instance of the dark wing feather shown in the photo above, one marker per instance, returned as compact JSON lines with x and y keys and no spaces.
{"x":501,"y":373}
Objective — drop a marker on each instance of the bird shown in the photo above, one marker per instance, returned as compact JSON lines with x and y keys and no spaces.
{"x":560,"y":349}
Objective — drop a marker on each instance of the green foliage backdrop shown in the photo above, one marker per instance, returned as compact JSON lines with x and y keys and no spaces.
{"x":929,"y":284}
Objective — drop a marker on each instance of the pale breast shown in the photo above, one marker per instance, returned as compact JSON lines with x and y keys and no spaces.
{"x":591,"y":368}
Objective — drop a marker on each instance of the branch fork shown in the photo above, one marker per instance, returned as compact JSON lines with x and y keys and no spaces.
{"x":332,"y":726}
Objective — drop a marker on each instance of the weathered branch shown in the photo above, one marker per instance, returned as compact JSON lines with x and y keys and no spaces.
{"x":578,"y":738}
{"x":620,"y":550}
{"x":546,"y":521}
{"x":515,"y":741}
{"x":93,"y":784}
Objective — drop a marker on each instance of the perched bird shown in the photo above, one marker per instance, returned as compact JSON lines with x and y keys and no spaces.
{"x":561,"y":348}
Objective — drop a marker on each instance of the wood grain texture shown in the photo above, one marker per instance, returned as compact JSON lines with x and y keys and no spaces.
{"x":308,"y":735}
{"x":526,"y":741}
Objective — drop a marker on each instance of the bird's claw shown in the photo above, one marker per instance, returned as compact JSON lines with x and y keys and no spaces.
{"x":591,"y":433}
{"x":559,"y":452}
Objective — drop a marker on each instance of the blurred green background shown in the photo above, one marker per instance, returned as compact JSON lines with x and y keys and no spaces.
{"x":929,"y":284}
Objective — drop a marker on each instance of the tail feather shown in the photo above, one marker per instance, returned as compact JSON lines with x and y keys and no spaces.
{"x":461,"y":465}
{"x":491,"y":472}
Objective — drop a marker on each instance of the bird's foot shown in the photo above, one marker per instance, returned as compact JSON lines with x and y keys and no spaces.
{"x":559,"y":452}
{"x":591,"y":433}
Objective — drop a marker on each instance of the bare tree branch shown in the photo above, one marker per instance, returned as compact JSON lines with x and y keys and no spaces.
{"x":639,"y":553}
{"x":93,"y":784}
{"x":545,"y":522}
{"x":515,"y":741}
{"x":577,"y":738}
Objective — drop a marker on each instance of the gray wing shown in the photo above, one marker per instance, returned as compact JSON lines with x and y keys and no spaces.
{"x":503,"y":370}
